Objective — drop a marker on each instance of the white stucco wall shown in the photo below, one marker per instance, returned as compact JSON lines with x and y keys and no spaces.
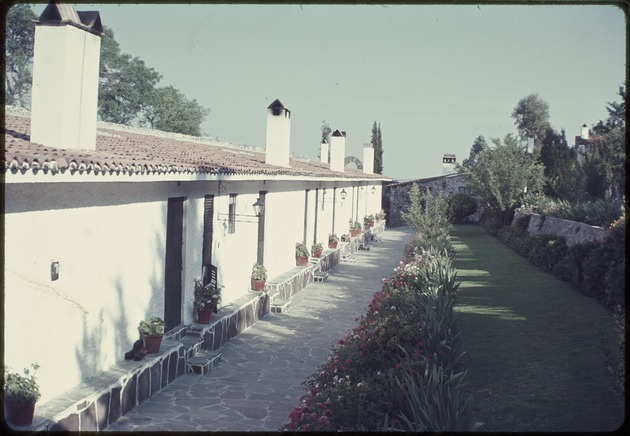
{"x":110,"y":277}
{"x":110,"y":242}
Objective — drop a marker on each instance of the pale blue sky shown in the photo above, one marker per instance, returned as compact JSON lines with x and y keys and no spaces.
{"x":434,"y":76}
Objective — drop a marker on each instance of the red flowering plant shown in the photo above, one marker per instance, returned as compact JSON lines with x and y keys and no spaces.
{"x":407,"y":327}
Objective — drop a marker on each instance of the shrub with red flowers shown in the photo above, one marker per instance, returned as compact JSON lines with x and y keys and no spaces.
{"x":408,"y":330}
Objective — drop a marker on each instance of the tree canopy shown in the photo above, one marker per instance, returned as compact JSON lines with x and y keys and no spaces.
{"x":128,"y":91}
{"x":605,"y":162}
{"x":503,"y":174}
{"x":377,"y":142}
{"x":478,"y":146}
{"x":20,"y":39}
{"x":169,"y":110}
{"x":531,"y":116}
{"x":124,"y":83}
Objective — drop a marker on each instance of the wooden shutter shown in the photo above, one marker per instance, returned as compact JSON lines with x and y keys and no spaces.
{"x":208,"y":210}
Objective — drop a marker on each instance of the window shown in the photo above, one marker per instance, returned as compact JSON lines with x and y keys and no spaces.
{"x":232,"y":214}
{"x":464,"y":190}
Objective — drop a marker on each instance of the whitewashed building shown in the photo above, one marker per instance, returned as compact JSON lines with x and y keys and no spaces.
{"x":112,"y":225}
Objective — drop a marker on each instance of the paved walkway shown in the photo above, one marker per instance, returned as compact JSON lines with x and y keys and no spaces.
{"x":260,"y":378}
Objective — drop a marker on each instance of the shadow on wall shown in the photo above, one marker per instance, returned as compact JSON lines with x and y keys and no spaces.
{"x":93,"y":353}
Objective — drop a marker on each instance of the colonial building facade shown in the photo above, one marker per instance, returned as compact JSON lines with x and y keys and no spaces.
{"x":103,"y":233}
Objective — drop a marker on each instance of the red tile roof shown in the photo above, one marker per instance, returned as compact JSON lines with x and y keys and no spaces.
{"x":129,"y":151}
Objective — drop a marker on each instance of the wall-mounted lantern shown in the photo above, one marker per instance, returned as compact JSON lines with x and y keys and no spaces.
{"x":373,"y":189}
{"x":343,"y":194}
{"x":259,"y":207}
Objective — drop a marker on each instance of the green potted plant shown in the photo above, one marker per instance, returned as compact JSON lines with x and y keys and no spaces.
{"x":345,"y":238}
{"x":380,"y":216}
{"x":333,"y":240}
{"x":301,"y":254}
{"x":152,"y":332}
{"x":21,"y":392}
{"x":355,"y":228}
{"x":259,"y":277}
{"x":368,"y":221}
{"x":207,"y":300}
{"x":316,"y":250}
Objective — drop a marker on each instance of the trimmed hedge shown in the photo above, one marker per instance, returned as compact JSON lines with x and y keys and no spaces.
{"x":596,"y":270}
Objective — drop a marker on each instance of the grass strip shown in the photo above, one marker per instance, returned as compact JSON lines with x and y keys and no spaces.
{"x":535,"y":361}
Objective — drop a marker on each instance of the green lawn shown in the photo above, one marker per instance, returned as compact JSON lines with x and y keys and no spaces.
{"x":535,"y":363}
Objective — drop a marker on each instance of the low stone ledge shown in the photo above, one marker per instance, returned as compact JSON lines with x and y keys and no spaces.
{"x":285,"y":286}
{"x":104,"y":398}
{"x":233,"y":319}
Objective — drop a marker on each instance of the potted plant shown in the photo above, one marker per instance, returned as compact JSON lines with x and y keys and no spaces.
{"x":21,"y":392}
{"x":259,"y":276}
{"x":368,"y":221}
{"x":317,"y":249}
{"x":380,"y":216}
{"x":207,"y":300}
{"x":152,"y":332}
{"x":355,"y":228}
{"x":345,"y":238}
{"x":301,"y":254}
{"x":333,"y":240}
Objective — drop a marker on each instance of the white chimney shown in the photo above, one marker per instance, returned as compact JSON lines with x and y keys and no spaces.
{"x":324,"y":152}
{"x":448,"y":164}
{"x":66,"y":58}
{"x":368,"y":158}
{"x":584,"y":134}
{"x":278,"y":134}
{"x":530,"y":146}
{"x":337,"y":151}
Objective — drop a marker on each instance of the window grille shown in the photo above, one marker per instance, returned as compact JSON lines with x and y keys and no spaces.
{"x":232,"y":214}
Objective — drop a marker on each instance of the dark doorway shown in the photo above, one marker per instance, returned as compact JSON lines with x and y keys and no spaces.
{"x":174,"y":263}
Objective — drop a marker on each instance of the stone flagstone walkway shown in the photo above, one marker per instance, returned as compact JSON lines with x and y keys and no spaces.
{"x":259,"y":381}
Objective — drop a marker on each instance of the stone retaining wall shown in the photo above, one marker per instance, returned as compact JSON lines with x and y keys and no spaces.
{"x":573,"y":232}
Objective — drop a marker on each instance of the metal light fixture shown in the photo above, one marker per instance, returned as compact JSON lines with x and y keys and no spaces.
{"x":373,"y":189}
{"x":343,"y":194}
{"x":259,"y":207}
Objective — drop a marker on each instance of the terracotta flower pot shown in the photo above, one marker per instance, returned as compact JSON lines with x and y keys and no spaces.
{"x":204,"y":315}
{"x":301,"y":260}
{"x":354,"y":233}
{"x":317,"y":253}
{"x":152,"y":343}
{"x":20,"y":414}
{"x":332,"y":244}
{"x":258,"y":285}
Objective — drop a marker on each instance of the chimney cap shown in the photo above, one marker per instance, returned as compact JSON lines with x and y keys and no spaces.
{"x":338,"y":133}
{"x":56,"y":13}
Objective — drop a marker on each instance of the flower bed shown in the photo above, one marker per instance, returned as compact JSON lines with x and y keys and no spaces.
{"x":396,"y":369}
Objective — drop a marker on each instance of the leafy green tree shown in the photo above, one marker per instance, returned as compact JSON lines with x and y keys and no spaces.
{"x":377,"y":142}
{"x":606,"y":153}
{"x":478,"y":146}
{"x":124,"y":83}
{"x":460,"y":206}
{"x":326,"y":131}
{"x":564,"y":177}
{"x":426,"y":214}
{"x":18,"y":59}
{"x":531,"y":116}
{"x":169,"y":110}
{"x":502,"y":175}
